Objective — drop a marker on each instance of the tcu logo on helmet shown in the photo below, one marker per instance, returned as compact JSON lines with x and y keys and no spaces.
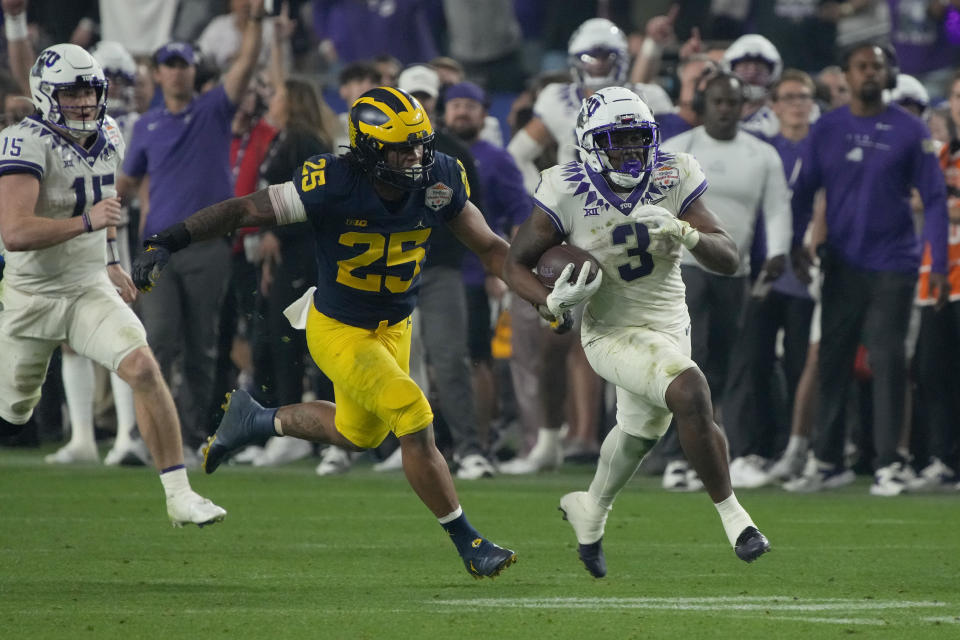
{"x":47,"y":59}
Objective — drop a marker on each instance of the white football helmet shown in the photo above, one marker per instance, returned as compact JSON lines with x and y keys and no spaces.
{"x":910,"y":90}
{"x":65,"y":66}
{"x":753,"y":46}
{"x":598,"y":54}
{"x":121,"y":73}
{"x":617,"y":109}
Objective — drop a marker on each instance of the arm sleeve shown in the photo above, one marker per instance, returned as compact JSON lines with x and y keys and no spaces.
{"x":21,"y":152}
{"x":287,"y":205}
{"x":525,"y":150}
{"x":929,"y":181}
{"x":777,"y":217}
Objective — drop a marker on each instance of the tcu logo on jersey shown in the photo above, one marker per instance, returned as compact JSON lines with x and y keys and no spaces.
{"x":666,"y":177}
{"x":438,"y":196}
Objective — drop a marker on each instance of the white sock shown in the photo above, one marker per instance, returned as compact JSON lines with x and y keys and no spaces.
{"x":453,"y":515}
{"x":796,"y":445}
{"x":79,"y":387}
{"x":123,"y":403}
{"x":175,"y":482}
{"x":620,"y":457}
{"x":735,"y":519}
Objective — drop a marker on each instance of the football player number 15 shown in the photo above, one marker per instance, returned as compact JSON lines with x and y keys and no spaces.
{"x":398,"y":249}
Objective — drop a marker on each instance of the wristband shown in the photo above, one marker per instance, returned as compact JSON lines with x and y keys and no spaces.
{"x":112,"y":256}
{"x":15,"y":26}
{"x":85,"y":219}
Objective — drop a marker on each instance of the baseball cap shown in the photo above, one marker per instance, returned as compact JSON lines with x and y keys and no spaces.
{"x":419,"y":79}
{"x":465,"y":89}
{"x":172,"y":50}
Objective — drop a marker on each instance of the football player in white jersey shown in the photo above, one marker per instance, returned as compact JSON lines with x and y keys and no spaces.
{"x":78,"y":376}
{"x":63,"y":282}
{"x":756,"y":61}
{"x":633,"y":208}
{"x":598,"y":58}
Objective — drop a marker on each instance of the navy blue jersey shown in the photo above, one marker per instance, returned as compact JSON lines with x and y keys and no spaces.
{"x":369,"y":254}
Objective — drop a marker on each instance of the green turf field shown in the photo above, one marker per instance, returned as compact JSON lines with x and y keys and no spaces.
{"x":87,"y":553}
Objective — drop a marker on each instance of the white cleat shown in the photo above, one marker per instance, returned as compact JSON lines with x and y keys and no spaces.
{"x":474,"y":467}
{"x":889,"y":481}
{"x":819,"y":476}
{"x":73,"y":453}
{"x":543,"y":457}
{"x":746,"y":472}
{"x":192,"y":508}
{"x":789,"y":466}
{"x":333,"y":461}
{"x":280,"y":451}
{"x":135,"y":453}
{"x":393,"y":462}
{"x":680,"y":476}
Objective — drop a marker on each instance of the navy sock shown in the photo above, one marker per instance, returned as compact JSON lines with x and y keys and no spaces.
{"x":462,"y":533}
{"x":263,"y":422}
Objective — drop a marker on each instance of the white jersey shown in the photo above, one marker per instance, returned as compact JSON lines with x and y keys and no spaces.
{"x":638,"y":288}
{"x":558,"y":106}
{"x":71,"y":179}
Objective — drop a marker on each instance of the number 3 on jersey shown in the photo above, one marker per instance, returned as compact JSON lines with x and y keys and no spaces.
{"x":398,"y":248}
{"x":636,"y":235}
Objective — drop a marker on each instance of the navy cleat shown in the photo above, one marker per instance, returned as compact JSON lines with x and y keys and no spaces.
{"x":487,"y":560}
{"x":751,"y":544}
{"x":591,"y":555}
{"x":238,"y":427}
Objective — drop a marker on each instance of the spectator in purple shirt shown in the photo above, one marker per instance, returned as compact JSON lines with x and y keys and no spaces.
{"x":349,"y":30}
{"x":507,"y":205}
{"x":182,"y":148}
{"x":867,"y":156}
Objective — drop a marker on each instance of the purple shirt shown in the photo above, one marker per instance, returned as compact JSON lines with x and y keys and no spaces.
{"x":671,"y":125}
{"x":186,"y":156}
{"x":867,"y":165}
{"x":361,"y":30}
{"x":506,"y":203}
{"x":789,"y":152}
{"x":919,"y":40}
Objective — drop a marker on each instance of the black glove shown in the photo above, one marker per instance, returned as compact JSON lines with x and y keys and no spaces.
{"x":156,"y":255}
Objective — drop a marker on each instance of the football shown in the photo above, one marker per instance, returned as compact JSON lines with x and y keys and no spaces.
{"x":555,"y":258}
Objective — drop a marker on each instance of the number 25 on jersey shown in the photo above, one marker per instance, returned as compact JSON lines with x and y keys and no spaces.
{"x":396,"y":249}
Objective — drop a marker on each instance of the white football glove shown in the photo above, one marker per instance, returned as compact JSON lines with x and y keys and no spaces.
{"x":665,"y":229}
{"x":567,"y":294}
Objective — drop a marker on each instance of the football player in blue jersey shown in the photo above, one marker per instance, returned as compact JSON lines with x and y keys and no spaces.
{"x":373,"y":211}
